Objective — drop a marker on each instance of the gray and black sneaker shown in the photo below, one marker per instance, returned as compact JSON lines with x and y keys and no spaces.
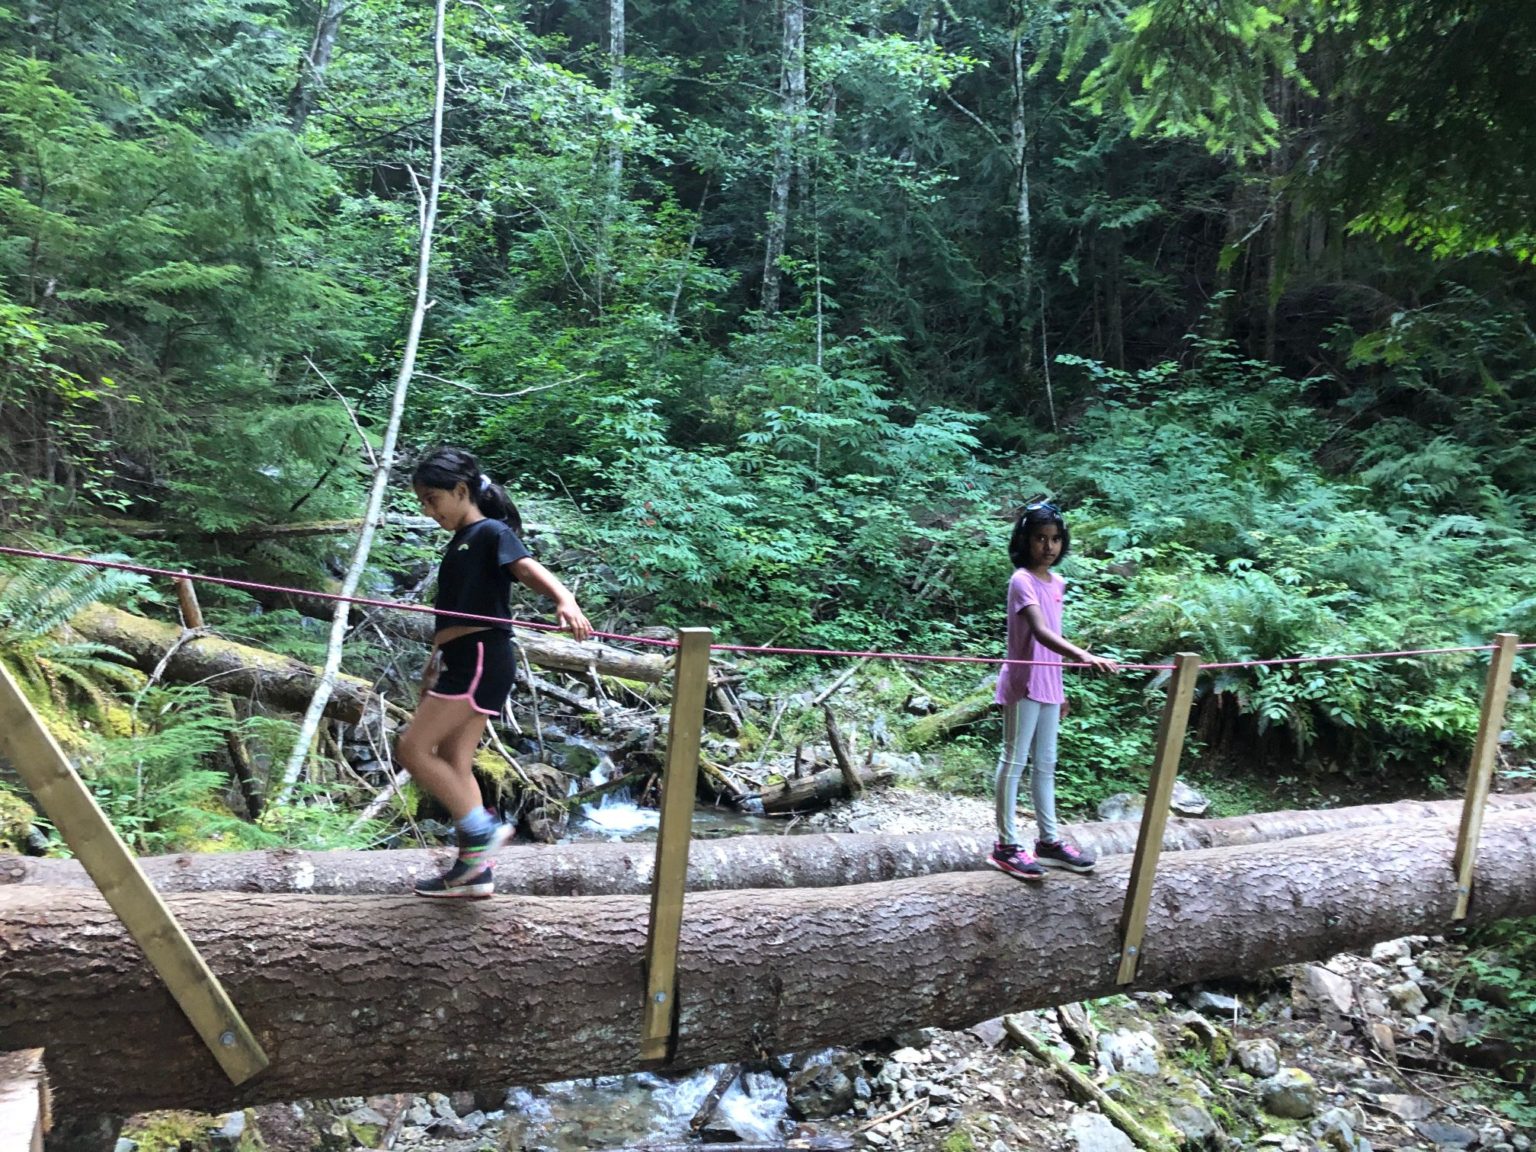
{"x":1060,"y":854}
{"x":461,"y":882}
{"x":1015,"y":861}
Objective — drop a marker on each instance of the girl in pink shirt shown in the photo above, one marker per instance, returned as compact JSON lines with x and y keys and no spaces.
{"x":1031,"y":695}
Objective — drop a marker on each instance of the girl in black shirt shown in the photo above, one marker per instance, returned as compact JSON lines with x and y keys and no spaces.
{"x":469,"y":673}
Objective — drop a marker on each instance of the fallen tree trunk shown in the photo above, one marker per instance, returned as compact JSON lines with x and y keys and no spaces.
{"x":237,"y":669}
{"x":377,"y":994}
{"x":544,"y":649}
{"x":819,"y":860}
{"x":819,"y":788}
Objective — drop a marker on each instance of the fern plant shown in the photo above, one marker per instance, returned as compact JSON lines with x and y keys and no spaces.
{"x":37,"y":598}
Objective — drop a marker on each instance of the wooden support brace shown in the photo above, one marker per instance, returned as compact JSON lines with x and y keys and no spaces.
{"x":61,"y":793}
{"x":24,"y":1119}
{"x":679,"y":783}
{"x":1154,"y":816}
{"x":1480,"y":774}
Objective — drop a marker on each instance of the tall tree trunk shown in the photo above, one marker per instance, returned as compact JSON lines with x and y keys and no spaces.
{"x":791,"y":124}
{"x":381,"y":472}
{"x":616,"y":86}
{"x":825,"y":861}
{"x":301,"y":101}
{"x":1023,"y":225}
{"x":374,"y":994}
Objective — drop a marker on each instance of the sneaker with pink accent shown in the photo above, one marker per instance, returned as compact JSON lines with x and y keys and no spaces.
{"x":1016,"y":861}
{"x":1060,"y":854}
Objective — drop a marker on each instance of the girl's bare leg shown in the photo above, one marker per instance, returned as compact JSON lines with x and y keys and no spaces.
{"x":438,"y":751}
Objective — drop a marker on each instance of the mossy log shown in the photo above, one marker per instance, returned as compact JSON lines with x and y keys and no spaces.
{"x":810,"y":861}
{"x":238,"y":669}
{"x":375,"y":994}
{"x":927,"y":729}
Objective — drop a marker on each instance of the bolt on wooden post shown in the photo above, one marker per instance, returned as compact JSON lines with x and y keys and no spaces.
{"x":1480,"y":774}
{"x":1154,"y":815}
{"x":679,"y":784}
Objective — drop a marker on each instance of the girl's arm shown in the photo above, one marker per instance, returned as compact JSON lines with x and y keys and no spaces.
{"x":1061,"y":645}
{"x":534,"y":576}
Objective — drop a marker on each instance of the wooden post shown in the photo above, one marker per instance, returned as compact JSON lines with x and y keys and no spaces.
{"x":239,"y":754}
{"x":52,"y":780}
{"x":24,"y":1119}
{"x":1480,"y":774}
{"x":679,"y":783}
{"x":1154,"y":816}
{"x":186,"y":599}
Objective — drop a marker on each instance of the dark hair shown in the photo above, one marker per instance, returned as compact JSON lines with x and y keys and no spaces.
{"x":447,"y":468}
{"x":1037,"y":514}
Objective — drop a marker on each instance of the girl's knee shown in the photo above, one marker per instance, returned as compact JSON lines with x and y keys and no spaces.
{"x":409,"y":748}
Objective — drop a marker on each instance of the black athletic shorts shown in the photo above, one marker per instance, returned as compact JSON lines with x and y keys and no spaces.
{"x":479,"y":668}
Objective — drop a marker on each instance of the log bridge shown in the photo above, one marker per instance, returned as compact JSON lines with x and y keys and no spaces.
{"x":363,"y":991}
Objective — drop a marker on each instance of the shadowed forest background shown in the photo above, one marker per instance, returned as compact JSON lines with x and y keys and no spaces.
{"x":772,"y":314}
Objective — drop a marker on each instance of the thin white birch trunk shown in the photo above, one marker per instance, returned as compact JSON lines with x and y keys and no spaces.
{"x":1025,"y":229}
{"x":791,"y":124}
{"x":427,"y":212}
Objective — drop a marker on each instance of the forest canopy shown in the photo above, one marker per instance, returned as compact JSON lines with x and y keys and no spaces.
{"x":775,"y":313}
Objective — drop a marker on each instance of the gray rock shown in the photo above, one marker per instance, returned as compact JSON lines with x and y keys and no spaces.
{"x":989,"y":1032}
{"x":1122,"y":806}
{"x":1196,"y":1124}
{"x":1408,"y":996}
{"x":1212,"y":1003}
{"x":1327,"y":989}
{"x":1260,"y":1057}
{"x":1127,"y":1051}
{"x":1335,"y":1129}
{"x":937,"y":1116}
{"x":475,"y":1121}
{"x":820,"y":1092}
{"x":876,"y":1139}
{"x":914,"y":1037}
{"x":1187,"y":801}
{"x":1521,"y":1142}
{"x":230,"y":1134}
{"x":1443,"y":1135}
{"x":1391,"y":951}
{"x":861,"y":1089}
{"x":1092,"y":1132}
{"x":419,"y":1115}
{"x":1289,"y":1093}
{"x":125,"y":1145}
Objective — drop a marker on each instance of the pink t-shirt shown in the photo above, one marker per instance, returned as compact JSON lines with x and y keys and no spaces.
{"x":1040,"y":682}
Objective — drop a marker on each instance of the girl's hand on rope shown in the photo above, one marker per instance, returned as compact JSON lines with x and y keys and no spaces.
{"x":429,"y":673}
{"x":1101,"y":664}
{"x":573,"y":620}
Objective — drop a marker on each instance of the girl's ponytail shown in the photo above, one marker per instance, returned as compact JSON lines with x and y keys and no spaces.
{"x":492,"y":499}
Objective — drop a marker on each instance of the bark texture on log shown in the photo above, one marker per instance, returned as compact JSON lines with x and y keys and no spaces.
{"x":237,"y":669}
{"x":820,"y":860}
{"x":375,"y":994}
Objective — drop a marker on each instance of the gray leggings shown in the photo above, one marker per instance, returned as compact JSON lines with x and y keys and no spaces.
{"x":1028,"y":726}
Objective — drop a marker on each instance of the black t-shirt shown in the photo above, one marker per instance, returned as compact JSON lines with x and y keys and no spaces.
{"x":473,"y":576}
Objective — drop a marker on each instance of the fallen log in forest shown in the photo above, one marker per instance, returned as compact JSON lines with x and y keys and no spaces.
{"x":543,"y":649}
{"x":811,"y":861}
{"x":378,"y":994}
{"x":237,"y":669}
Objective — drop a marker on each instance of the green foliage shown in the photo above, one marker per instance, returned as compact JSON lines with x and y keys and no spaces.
{"x":36,"y":599}
{"x":1498,"y":986}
